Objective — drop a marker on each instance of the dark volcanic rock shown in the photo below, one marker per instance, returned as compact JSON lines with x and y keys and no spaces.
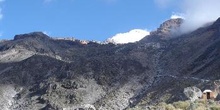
{"x":33,"y":35}
{"x":38,"y":72}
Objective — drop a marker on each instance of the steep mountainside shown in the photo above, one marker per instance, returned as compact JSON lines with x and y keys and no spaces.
{"x":39,"y":72}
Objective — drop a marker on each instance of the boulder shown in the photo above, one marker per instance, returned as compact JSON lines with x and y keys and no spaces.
{"x":193,"y":93}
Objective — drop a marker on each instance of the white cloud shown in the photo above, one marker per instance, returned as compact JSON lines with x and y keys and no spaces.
{"x":129,"y":37}
{"x":47,"y":33}
{"x":198,"y":13}
{"x":177,"y":15}
{"x":1,"y":14}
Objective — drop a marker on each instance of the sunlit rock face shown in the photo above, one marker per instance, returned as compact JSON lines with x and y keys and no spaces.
{"x":169,"y":28}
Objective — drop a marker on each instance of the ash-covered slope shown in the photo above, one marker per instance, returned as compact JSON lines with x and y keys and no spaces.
{"x":38,"y":72}
{"x":194,"y":54}
{"x":187,"y":60}
{"x":82,"y":74}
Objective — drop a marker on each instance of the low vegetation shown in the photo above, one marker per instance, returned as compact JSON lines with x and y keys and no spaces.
{"x":183,"y":105}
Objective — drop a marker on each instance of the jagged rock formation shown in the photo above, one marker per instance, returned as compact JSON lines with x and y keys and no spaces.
{"x":44,"y":73}
{"x":193,"y":93}
{"x":169,"y":28}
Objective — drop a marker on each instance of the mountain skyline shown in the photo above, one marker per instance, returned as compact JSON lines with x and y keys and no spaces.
{"x":85,"y":20}
{"x":52,"y":60}
{"x":100,"y":19}
{"x":42,"y":73}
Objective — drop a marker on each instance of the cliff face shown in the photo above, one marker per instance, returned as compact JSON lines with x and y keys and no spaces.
{"x":68,"y":74}
{"x":169,"y":28}
{"x":38,"y":72}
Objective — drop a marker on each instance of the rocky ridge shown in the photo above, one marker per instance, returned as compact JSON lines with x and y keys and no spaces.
{"x":43,"y":73}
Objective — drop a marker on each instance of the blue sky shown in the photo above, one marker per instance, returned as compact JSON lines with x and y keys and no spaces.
{"x":82,"y":19}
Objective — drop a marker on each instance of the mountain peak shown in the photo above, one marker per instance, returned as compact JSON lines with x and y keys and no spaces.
{"x":38,"y":35}
{"x":168,"y":26}
{"x":217,"y":22}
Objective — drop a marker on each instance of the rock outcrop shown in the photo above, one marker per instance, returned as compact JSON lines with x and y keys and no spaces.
{"x":169,"y":28}
{"x":193,"y":93}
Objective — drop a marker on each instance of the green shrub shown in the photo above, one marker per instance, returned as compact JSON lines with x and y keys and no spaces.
{"x":200,"y":106}
{"x":160,"y":106}
{"x":170,"y":107}
{"x":164,"y":106}
{"x":202,"y":101}
{"x":211,"y":102}
{"x":139,"y":108}
{"x":181,"y":105}
{"x":215,"y":108}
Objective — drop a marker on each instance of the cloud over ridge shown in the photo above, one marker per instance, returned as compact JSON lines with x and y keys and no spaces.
{"x":128,"y":37}
{"x":196,"y":13}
